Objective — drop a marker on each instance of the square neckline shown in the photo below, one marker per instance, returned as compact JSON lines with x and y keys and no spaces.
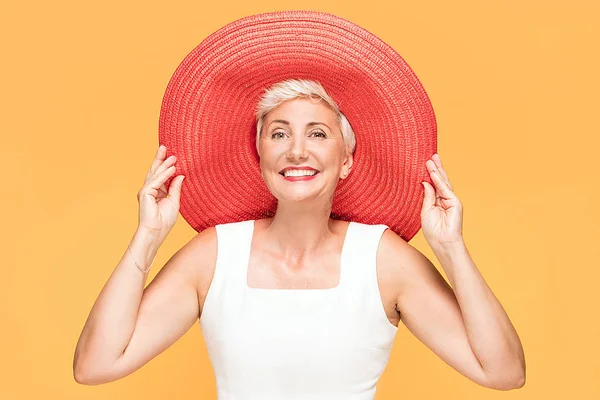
{"x":252,"y":224}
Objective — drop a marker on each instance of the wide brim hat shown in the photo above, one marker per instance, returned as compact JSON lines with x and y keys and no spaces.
{"x":207,"y":118}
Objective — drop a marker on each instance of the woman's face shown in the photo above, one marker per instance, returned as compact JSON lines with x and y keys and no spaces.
{"x":302,"y":133}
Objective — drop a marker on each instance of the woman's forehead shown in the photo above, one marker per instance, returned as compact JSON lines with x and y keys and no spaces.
{"x":304,"y":111}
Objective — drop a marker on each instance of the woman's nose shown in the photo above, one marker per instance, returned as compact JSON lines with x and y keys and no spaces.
{"x":297,"y":148}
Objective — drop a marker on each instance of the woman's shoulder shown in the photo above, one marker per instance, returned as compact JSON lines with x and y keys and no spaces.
{"x":397,"y":258}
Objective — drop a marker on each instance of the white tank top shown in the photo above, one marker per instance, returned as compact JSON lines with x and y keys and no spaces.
{"x":309,"y":344}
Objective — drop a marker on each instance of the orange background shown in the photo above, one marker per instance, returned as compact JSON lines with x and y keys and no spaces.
{"x":515,"y":88}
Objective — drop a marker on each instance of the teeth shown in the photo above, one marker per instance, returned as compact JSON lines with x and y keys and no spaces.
{"x":299,"y":172}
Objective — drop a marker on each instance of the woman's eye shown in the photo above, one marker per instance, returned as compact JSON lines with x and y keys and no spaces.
{"x":279,"y":134}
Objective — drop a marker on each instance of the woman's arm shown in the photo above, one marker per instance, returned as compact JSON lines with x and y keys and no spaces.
{"x":129,"y":325}
{"x":113,"y":316}
{"x":492,"y":336}
{"x":466,"y":327}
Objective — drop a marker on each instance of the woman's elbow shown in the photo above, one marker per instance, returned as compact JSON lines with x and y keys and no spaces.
{"x":514,"y":383}
{"x":509,"y":381}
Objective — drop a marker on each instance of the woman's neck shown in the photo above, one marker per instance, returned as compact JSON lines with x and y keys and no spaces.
{"x":298,"y":232}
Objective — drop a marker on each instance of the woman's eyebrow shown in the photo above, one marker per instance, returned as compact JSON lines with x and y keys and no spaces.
{"x":312,"y":123}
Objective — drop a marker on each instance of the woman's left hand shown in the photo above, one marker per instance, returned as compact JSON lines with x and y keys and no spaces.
{"x":441,"y":215}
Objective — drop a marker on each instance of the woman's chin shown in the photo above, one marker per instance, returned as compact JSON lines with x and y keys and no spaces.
{"x":296,"y":199}
{"x":300,"y":197}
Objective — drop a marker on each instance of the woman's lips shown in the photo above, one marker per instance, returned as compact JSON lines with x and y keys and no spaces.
{"x":299,"y":178}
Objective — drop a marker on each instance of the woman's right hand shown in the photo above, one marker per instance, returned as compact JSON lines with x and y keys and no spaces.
{"x":159,"y":208}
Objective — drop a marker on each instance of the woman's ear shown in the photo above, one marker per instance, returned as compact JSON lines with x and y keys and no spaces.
{"x":347,"y":165}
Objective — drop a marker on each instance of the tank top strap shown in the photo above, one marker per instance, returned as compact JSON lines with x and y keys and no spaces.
{"x":233,"y":245}
{"x":362,"y":243}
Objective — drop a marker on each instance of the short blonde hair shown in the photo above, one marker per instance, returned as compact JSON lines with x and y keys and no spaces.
{"x":296,"y":88}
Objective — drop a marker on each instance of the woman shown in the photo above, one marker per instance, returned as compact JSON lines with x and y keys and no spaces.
{"x":299,"y":304}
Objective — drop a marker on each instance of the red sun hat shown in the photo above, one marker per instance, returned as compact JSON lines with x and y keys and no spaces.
{"x":207,"y":119}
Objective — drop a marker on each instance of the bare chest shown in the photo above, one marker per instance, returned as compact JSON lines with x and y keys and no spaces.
{"x":269,"y":273}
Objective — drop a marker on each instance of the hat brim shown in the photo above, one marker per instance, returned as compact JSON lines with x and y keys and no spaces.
{"x":207,"y":118}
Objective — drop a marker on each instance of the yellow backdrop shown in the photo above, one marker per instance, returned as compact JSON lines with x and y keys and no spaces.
{"x":515,"y":89}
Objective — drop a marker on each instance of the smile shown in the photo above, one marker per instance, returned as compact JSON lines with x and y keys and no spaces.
{"x":298,"y":175}
{"x":299,"y":172}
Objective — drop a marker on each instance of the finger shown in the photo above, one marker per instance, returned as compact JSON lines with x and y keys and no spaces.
{"x":163,"y":190}
{"x":158,"y":158}
{"x":161,"y":178}
{"x":175,"y":188}
{"x":171,"y":160}
{"x":438,"y":163}
{"x":440,"y":168}
{"x":163,"y":165}
{"x":441,"y":185}
{"x":428,"y":197}
{"x":433,"y":168}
